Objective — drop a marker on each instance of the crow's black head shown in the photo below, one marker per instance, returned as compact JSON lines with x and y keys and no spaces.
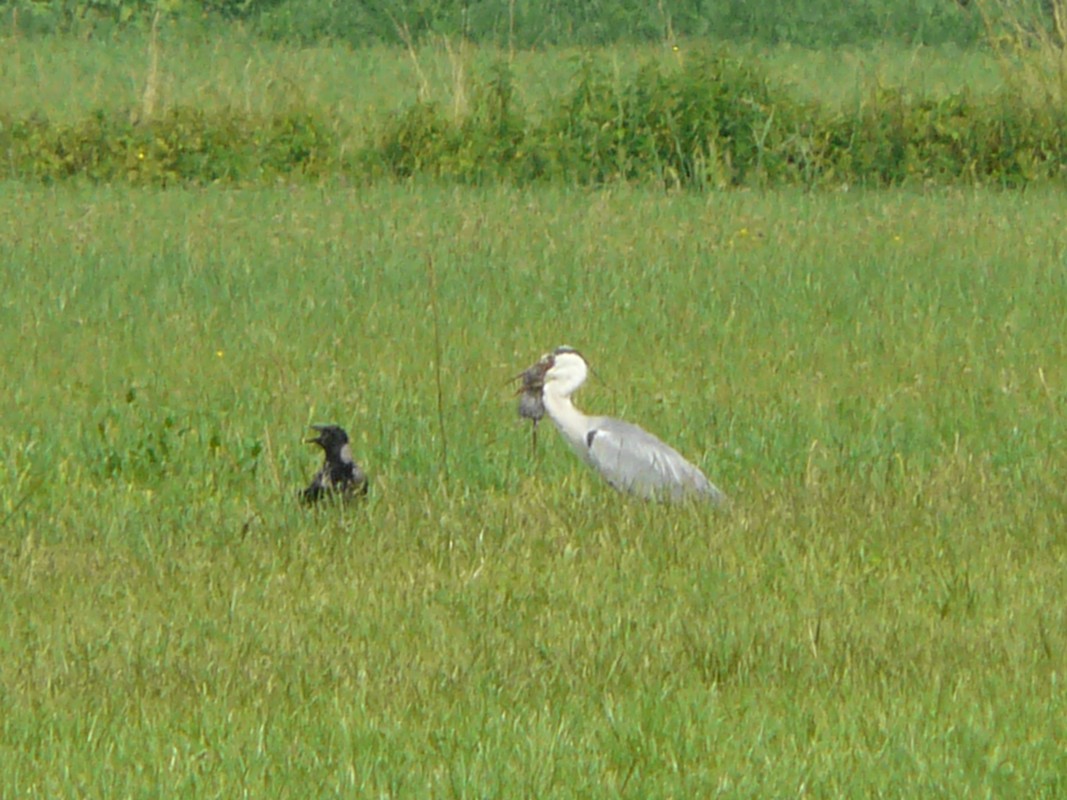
{"x":331,"y":438}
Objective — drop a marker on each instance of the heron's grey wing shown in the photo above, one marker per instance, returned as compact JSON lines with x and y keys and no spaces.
{"x":633,"y":460}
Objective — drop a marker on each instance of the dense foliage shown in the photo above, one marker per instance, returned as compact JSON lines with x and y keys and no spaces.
{"x":181,"y":145}
{"x":709,"y":120}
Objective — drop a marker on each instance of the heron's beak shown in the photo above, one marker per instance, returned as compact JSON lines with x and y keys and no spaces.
{"x":533,"y":377}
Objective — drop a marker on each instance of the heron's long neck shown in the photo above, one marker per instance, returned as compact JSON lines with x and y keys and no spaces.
{"x":571,"y":422}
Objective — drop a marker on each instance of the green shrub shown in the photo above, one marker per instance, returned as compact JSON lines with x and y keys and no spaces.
{"x":414,"y":141}
{"x":182,"y":145}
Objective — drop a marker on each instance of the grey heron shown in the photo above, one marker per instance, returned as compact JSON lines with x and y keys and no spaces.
{"x":340,"y":475}
{"x":628,"y":457}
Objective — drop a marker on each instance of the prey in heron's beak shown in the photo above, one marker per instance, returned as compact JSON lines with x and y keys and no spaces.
{"x":531,"y":403}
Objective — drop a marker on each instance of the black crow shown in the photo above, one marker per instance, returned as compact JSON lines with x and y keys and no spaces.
{"x":340,"y":475}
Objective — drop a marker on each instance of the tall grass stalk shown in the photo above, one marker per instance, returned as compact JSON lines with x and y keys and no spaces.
{"x":431,"y":274}
{"x":150,"y":96}
{"x":1030,"y":41}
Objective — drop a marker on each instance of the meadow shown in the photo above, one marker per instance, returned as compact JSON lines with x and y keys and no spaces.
{"x":875,"y":378}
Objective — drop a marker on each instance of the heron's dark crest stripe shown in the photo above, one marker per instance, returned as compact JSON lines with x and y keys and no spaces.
{"x":567,"y":349}
{"x":590,"y":436}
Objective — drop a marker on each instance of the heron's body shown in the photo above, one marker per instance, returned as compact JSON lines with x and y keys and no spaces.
{"x":628,"y":457}
{"x":340,"y":475}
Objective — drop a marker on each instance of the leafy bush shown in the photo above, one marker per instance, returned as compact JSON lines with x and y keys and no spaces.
{"x":182,"y":145}
{"x":717,"y":121}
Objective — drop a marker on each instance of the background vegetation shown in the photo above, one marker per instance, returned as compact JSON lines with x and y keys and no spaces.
{"x":508,"y":23}
{"x":215,"y":231}
{"x":681,"y":113}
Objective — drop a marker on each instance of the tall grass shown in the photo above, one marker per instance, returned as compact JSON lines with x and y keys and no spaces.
{"x":66,"y":78}
{"x":1031,"y":45}
{"x":877,"y":379}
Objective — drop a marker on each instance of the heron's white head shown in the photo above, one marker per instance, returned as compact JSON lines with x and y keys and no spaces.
{"x":566,"y":372}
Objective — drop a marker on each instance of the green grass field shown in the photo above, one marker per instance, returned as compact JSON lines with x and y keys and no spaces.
{"x":877,"y":380}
